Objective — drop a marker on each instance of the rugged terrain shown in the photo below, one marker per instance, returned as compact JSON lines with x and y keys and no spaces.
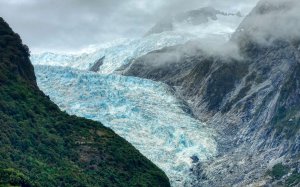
{"x":42,"y":146}
{"x":251,"y":98}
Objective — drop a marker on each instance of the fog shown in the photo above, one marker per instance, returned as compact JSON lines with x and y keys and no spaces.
{"x":272,"y":20}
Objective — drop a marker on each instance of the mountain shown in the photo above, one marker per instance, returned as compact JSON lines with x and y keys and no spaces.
{"x":191,"y":20}
{"x":251,"y":99}
{"x":43,"y":146}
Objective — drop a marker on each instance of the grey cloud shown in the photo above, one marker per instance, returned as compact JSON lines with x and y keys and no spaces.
{"x":73,"y":24}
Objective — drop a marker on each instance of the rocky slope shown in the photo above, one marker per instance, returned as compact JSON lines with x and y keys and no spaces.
{"x":42,"y":146}
{"x":252,"y":99}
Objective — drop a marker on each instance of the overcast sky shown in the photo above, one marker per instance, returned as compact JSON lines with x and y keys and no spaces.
{"x":54,"y":25}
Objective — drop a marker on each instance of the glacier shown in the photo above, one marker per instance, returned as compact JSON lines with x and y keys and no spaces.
{"x":144,"y":112}
{"x":117,"y":53}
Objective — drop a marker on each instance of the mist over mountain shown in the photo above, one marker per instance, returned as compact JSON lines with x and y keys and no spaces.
{"x":272,"y":20}
{"x":187,"y":20}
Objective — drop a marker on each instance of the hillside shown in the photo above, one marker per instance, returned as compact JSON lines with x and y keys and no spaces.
{"x":42,"y":146}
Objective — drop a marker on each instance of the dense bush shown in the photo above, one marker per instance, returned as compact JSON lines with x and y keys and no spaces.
{"x":42,"y":146}
{"x":282,"y":173}
{"x":278,"y":171}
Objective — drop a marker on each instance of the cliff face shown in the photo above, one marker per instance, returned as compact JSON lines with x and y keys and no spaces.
{"x":252,"y":101}
{"x":42,"y":146}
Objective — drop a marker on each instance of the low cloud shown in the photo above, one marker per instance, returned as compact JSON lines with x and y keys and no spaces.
{"x":272,"y":20}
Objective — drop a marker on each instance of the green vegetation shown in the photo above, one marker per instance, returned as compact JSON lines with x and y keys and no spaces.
{"x":42,"y":146}
{"x":293,"y":179}
{"x":11,"y":177}
{"x":278,"y":171}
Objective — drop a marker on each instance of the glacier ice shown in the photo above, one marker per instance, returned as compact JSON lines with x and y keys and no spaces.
{"x":116,"y":53}
{"x":144,"y":112}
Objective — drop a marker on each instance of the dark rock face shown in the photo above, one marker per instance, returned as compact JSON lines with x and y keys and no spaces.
{"x":97,"y":65}
{"x":195,"y":159}
{"x":253,"y":103}
{"x":43,"y":146}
